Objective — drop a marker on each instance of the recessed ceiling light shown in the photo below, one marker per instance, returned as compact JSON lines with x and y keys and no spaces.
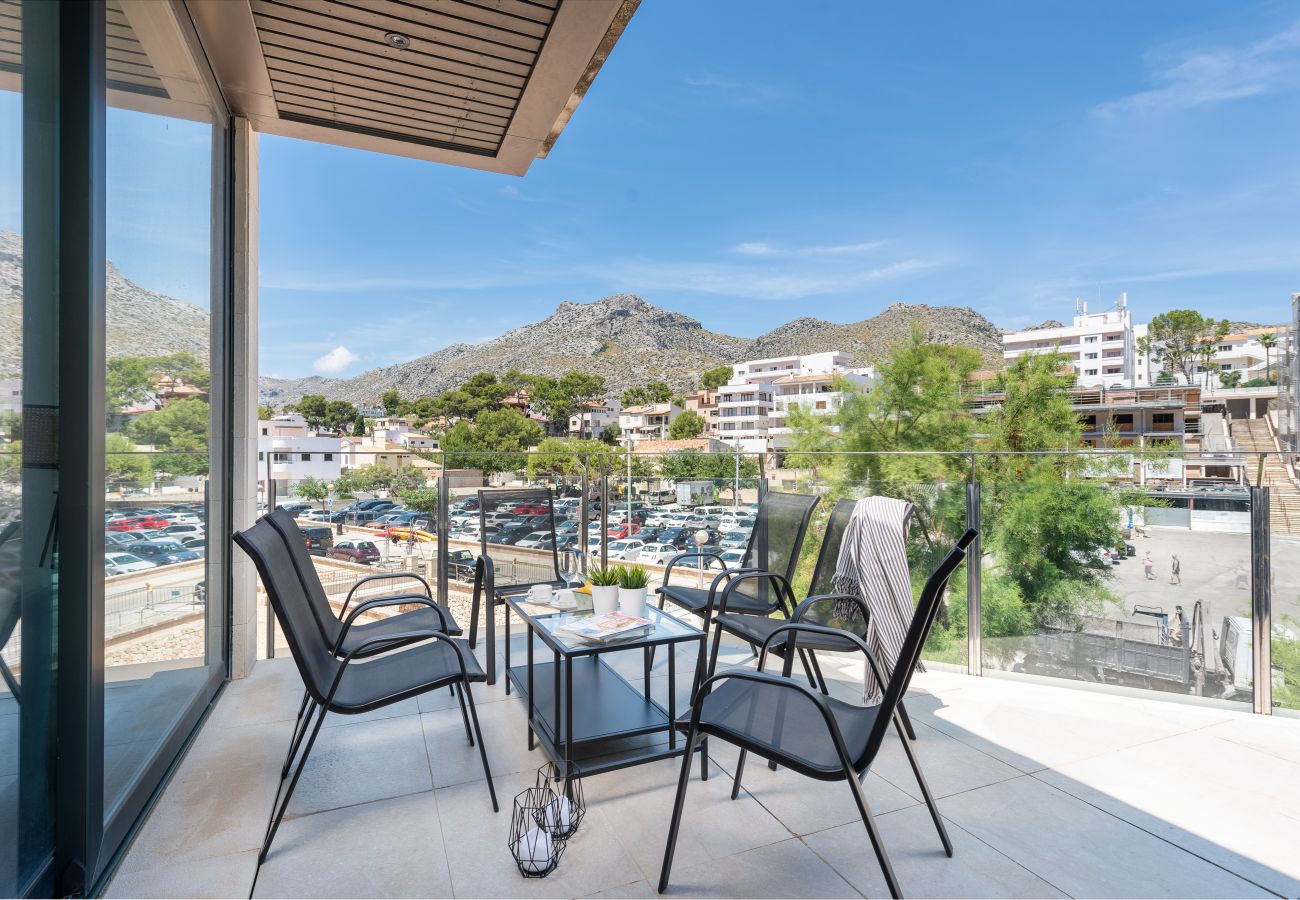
{"x":400,"y":41}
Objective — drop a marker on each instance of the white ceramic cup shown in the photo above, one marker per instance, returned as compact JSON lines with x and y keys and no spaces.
{"x":540,"y":593}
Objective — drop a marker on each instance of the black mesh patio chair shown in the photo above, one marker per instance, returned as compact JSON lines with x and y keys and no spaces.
{"x":774,"y":546}
{"x":429,"y":615}
{"x":11,"y":598}
{"x":784,"y":720}
{"x":350,"y":684}
{"x":822,"y":606}
{"x":503,"y":570}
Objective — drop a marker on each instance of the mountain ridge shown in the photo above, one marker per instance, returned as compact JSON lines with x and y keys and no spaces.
{"x":631,"y":341}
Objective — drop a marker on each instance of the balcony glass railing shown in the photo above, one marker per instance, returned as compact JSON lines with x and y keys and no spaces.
{"x":1076,"y":578}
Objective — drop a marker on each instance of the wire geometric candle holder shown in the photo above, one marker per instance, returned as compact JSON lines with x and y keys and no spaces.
{"x":536,"y":851}
{"x":565,"y":812}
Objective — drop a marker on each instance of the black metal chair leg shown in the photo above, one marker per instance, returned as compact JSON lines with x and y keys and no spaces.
{"x":877,"y":844}
{"x":678,"y":803}
{"x":740,"y":770}
{"x":807,"y":669}
{"x":464,"y":713}
{"x":482,"y":749}
{"x":925,"y":788}
{"x":278,"y":815}
{"x":907,"y":720}
{"x":299,"y":731}
{"x":817,"y":670}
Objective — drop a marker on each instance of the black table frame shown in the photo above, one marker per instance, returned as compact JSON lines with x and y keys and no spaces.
{"x":610,"y":707}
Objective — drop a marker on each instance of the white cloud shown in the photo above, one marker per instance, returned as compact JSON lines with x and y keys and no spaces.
{"x":336,"y":360}
{"x":760,"y":248}
{"x":1186,"y":78}
{"x":737,"y":91}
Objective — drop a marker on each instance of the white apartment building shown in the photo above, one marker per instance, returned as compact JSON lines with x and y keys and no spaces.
{"x":649,"y":422}
{"x":294,"y":452}
{"x":748,"y":414}
{"x":1242,"y":352}
{"x":593,"y":418}
{"x":1102,"y":346}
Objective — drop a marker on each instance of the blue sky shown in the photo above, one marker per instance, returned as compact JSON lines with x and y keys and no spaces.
{"x":746,"y":165}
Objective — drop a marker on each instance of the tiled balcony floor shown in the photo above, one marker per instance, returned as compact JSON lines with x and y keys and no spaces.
{"x":1047,"y":791}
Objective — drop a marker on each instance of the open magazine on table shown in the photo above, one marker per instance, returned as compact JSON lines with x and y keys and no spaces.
{"x":608,"y":627}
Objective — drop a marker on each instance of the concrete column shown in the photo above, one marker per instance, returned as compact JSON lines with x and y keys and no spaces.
{"x":243,"y":643}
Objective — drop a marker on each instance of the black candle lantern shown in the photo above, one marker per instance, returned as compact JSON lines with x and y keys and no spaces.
{"x":536,"y":850}
{"x":564,"y":813}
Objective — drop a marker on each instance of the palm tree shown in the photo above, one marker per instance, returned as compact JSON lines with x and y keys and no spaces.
{"x":1268,"y":341}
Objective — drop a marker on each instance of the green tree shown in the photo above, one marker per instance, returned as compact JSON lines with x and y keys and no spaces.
{"x":1181,"y":336}
{"x":554,"y":457}
{"x":1229,"y":379}
{"x":339,"y":415}
{"x":358,"y":426}
{"x":689,"y":424}
{"x":127,"y":380}
{"x":421,"y":500}
{"x":812,"y":436}
{"x":313,"y":409}
{"x":1035,"y":415}
{"x":313,"y":490}
{"x":609,"y":434}
{"x":712,"y":379}
{"x":917,"y":405}
{"x":494,"y":442}
{"x":181,"y":425}
{"x":391,"y":401}
{"x":635,"y":396}
{"x":658,"y":392}
{"x":559,"y":398}
{"x":265,"y":412}
{"x":482,"y":392}
{"x":694,"y":465}
{"x":123,"y":465}
{"x":1268,"y":341}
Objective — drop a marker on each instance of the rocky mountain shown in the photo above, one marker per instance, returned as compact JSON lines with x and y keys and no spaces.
{"x":630,"y":342}
{"x":140,"y":322}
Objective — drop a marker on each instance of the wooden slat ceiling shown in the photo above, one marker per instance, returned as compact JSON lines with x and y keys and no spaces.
{"x":487,"y":84}
{"x":127,"y":66}
{"x":456,"y":85}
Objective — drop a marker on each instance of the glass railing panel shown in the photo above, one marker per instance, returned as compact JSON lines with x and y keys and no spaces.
{"x":1284,"y":559}
{"x":1088,"y":581}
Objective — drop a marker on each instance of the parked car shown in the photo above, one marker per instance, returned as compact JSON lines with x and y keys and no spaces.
{"x":657,"y":554}
{"x":115,"y":538}
{"x":180,"y":531}
{"x":626,"y":550}
{"x":162,"y":552}
{"x":363,"y":552}
{"x":568,"y":541}
{"x":530,"y":509}
{"x":618,"y":532}
{"x":678,"y":537}
{"x":729,"y":559}
{"x":137,"y":523}
{"x":319,"y":539}
{"x":733,"y":539}
{"x":534,"y":540}
{"x":119,"y":563}
{"x":460,"y":565}
{"x":1101,"y":556}
{"x":198,"y":544}
{"x":296,"y":509}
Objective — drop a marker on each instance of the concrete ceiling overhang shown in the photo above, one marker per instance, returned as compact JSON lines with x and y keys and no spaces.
{"x":487,"y":84}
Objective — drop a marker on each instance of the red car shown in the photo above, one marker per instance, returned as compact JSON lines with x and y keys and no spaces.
{"x":618,"y":532}
{"x":530,"y":509}
{"x":139,"y":523}
{"x":364,"y":552}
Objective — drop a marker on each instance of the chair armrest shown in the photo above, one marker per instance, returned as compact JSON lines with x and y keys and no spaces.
{"x":367,"y":606}
{"x":778,"y":581}
{"x":485,"y":575}
{"x":794,"y":627}
{"x":384,"y":575}
{"x":402,"y":637}
{"x":777,"y":681}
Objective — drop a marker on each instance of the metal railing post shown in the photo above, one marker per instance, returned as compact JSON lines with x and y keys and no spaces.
{"x":584,"y":511}
{"x":762,"y":476}
{"x":974,"y":587}
{"x":1261,"y":618}
{"x":270,"y":506}
{"x":604,"y":521}
{"x":444,"y":531}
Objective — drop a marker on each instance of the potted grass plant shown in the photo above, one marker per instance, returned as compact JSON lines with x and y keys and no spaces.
{"x":632,"y":584}
{"x":604,"y":589}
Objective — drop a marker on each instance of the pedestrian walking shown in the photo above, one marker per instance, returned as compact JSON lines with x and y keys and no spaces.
{"x":1175,"y":571}
{"x":1149,"y":567}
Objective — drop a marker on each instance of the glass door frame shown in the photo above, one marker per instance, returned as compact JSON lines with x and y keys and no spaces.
{"x":65,"y":187}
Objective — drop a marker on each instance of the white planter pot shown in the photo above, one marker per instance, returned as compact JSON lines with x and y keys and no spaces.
{"x":631,"y":601}
{"x":604,"y":599}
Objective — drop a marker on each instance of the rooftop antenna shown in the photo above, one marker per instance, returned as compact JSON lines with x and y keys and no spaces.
{"x":1080,"y":306}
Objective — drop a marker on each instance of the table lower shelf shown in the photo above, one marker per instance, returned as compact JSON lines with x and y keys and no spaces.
{"x":614,"y":724}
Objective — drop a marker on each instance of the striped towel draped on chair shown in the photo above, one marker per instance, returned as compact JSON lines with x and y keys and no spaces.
{"x":873,"y":565}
